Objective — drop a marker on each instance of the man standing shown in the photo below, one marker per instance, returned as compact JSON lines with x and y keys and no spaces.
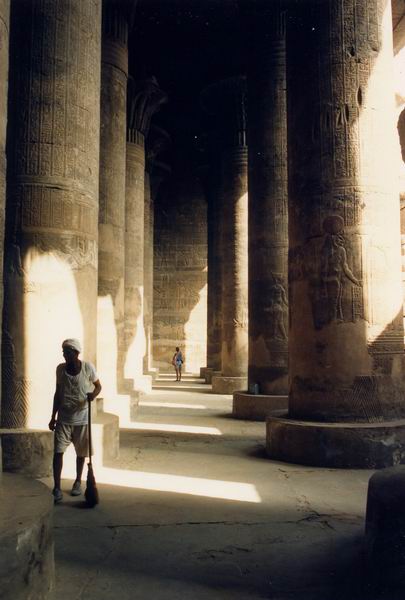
{"x":76,"y":383}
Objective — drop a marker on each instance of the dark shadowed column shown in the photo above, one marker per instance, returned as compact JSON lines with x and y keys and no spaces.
{"x":4,"y":29}
{"x":144,"y":99}
{"x":268,"y":213}
{"x":346,"y":334}
{"x":52,"y":199}
{"x":227,"y":99}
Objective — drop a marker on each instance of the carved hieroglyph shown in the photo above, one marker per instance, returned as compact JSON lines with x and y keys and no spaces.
{"x":4,"y":39}
{"x":52,"y":198}
{"x":113,"y":129}
{"x":268,"y":198}
{"x":346,"y":335}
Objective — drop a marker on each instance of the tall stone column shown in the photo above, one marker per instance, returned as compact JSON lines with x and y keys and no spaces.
{"x":210,"y":178}
{"x":4,"y":48}
{"x":268,"y":213}
{"x":346,"y":405}
{"x":52,"y":201}
{"x":144,"y":98}
{"x":111,"y":256}
{"x":228,"y":100}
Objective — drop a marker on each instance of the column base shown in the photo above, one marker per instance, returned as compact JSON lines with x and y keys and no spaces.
{"x":105,"y":437}
{"x":202,"y":372}
{"x":256,"y":407}
{"x":336,"y":445}
{"x":209,"y":374}
{"x":385,"y":526}
{"x":125,"y":406}
{"x":27,"y":451}
{"x":153,"y":372}
{"x":27,"y":567}
{"x":228,"y":385}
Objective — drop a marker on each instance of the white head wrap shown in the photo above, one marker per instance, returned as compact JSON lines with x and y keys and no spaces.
{"x":72,"y":343}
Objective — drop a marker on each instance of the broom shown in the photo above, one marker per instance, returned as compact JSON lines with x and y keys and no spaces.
{"x":91,"y":493}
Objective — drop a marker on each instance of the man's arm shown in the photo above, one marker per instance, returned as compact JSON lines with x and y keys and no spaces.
{"x":96,"y":391}
{"x":55,"y":408}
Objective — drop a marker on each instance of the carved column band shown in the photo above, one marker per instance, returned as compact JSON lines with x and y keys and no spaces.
{"x":268,"y":194}
{"x":52,"y":199}
{"x":114,"y":77}
{"x":227,"y":99}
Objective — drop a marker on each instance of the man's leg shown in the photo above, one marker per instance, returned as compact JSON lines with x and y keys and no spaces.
{"x":57,"y":468}
{"x":79,"y":467}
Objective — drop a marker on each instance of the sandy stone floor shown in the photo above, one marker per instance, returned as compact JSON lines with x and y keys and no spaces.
{"x":193,"y":510}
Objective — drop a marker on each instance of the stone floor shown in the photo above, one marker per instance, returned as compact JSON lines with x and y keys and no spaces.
{"x":193,"y":510}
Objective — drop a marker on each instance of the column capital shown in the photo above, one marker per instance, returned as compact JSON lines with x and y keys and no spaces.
{"x":157,"y":143}
{"x":144,"y":98}
{"x":161,"y":171}
{"x":264,"y":18}
{"x":227,"y":99}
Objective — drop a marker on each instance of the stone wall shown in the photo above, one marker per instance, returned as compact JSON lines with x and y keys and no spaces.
{"x":180,"y":274}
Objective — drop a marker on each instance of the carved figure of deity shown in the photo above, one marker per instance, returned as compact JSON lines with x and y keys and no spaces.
{"x":277,"y":311}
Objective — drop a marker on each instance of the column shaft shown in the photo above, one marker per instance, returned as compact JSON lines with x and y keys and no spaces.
{"x":134,"y":257}
{"x":234,"y":228}
{"x":52,"y":200}
{"x":111,"y":287}
{"x":346,"y":334}
{"x":148,"y":273}
{"x":214,"y":296}
{"x":268,"y":206}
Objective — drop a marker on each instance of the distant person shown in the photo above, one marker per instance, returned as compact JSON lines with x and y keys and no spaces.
{"x":76,"y":383}
{"x":177,"y":362}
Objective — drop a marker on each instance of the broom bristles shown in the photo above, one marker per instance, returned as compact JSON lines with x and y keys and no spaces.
{"x":91,"y":493}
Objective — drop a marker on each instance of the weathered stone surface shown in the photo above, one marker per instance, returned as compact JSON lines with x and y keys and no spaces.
{"x":385,"y":527}
{"x":111,"y":256}
{"x":267,"y":198}
{"x":148,"y":269}
{"x":180,"y":276}
{"x":27,"y":452}
{"x":52,"y":199}
{"x":26,"y":521}
{"x":346,"y":335}
{"x":341,"y":445}
{"x":227,"y":385}
{"x":209,"y":374}
{"x":256,"y":407}
{"x":106,"y":436}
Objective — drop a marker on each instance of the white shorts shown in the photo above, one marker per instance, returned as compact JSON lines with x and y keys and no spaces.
{"x":65,"y":434}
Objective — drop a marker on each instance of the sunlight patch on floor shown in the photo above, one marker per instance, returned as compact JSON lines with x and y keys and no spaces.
{"x":194,"y":486}
{"x":165,"y":427}
{"x":172,"y":405}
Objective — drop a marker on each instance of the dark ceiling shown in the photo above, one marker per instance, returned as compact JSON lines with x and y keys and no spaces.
{"x":186,"y":45}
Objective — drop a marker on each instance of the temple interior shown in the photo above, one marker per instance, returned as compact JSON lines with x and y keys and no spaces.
{"x":207,"y":196}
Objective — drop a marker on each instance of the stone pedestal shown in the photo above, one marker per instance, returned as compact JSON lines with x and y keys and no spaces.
{"x":52,"y":200}
{"x":227,"y":385}
{"x":27,"y":452}
{"x":346,"y":334}
{"x":209,"y":374}
{"x":385,"y":528}
{"x":268,"y":199}
{"x":111,"y":256}
{"x":256,"y":407}
{"x":26,"y":520}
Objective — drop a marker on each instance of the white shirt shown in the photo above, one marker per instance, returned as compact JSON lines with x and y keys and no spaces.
{"x":73,"y":390}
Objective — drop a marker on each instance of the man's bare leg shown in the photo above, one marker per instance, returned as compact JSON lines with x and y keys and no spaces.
{"x":57,"y":468}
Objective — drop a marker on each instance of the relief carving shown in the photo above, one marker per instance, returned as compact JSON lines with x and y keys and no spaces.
{"x":277,"y":310}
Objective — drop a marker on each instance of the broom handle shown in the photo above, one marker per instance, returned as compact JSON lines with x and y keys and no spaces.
{"x":89,"y":436}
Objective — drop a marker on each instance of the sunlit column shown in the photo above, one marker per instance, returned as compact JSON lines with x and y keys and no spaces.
{"x":4,"y":29}
{"x":111,"y":256}
{"x":227,"y":99}
{"x":144,"y":98}
{"x":346,"y":333}
{"x":52,"y":200}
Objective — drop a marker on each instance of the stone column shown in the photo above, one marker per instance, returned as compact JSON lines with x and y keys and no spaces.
{"x":346,"y":404}
{"x":268,"y":213}
{"x":210,"y":177}
{"x":111,"y":256}
{"x":4,"y":37}
{"x":144,"y":98}
{"x":52,"y":201}
{"x":228,"y":100}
